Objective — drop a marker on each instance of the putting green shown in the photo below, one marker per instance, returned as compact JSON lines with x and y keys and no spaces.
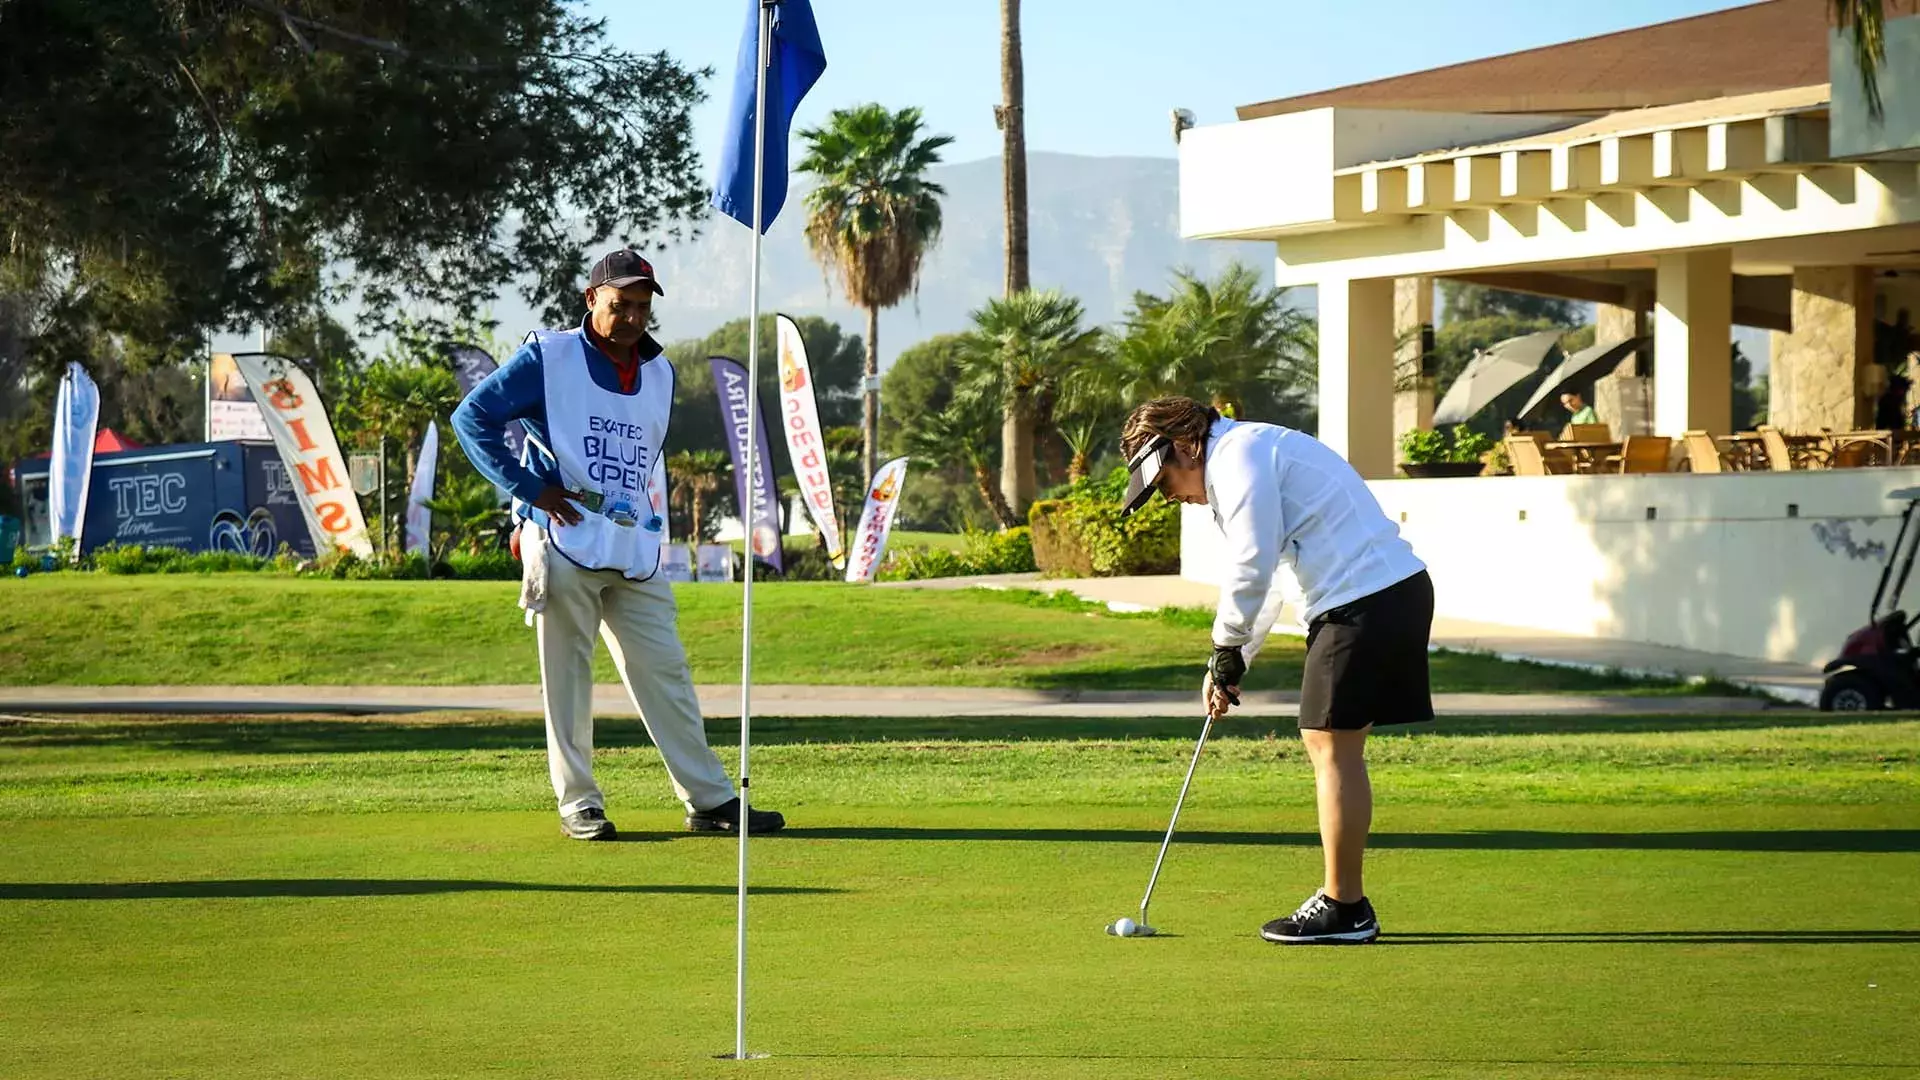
{"x":309,"y":933}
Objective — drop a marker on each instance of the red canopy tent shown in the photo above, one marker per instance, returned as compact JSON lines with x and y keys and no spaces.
{"x":106,"y":441}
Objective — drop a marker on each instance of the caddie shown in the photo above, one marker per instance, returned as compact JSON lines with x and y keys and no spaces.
{"x":595,"y":403}
{"x":1282,"y":497}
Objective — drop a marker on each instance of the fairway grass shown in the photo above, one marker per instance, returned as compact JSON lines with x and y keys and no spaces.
{"x":1591,"y":897}
{"x":234,"y":629}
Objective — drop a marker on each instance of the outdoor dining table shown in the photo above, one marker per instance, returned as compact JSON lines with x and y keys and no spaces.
{"x":1855,"y":448}
{"x":1586,"y":457}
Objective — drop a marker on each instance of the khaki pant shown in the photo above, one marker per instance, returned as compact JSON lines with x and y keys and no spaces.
{"x":637,"y":619}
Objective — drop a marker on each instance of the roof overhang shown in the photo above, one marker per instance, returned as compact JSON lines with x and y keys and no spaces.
{"x":1350,"y":193}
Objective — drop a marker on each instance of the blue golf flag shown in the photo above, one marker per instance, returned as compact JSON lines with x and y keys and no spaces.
{"x":794,"y":63}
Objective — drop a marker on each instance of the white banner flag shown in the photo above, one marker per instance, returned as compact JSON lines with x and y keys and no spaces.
{"x":419,"y":518}
{"x":304,"y":437}
{"x":800,"y":419}
{"x":76,"y":419}
{"x":876,"y":521}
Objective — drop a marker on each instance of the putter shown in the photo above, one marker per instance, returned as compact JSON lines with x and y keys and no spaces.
{"x":1140,"y":928}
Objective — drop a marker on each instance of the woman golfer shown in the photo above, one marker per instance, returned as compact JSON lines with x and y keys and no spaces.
{"x":1283,"y":497}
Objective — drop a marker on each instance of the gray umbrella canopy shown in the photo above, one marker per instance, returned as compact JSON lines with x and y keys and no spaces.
{"x":1492,"y":373}
{"x":1598,"y":357}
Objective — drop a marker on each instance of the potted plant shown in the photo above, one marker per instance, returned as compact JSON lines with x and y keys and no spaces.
{"x":1431,"y":454}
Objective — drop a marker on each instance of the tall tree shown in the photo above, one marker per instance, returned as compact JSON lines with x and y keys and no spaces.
{"x":872,"y":216}
{"x":1021,"y":351}
{"x":1460,"y":300}
{"x":961,"y":436}
{"x":1011,"y":116}
{"x":696,"y":475}
{"x":169,"y":169}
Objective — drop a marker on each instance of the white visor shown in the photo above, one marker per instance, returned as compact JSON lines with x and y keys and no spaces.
{"x":1143,"y":472}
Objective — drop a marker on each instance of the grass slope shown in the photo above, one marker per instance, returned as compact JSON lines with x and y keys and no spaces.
{"x":1563,"y":898}
{"x":232,"y":629}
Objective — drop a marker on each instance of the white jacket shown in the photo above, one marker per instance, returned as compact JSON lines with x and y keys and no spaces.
{"x":1279,"y":495}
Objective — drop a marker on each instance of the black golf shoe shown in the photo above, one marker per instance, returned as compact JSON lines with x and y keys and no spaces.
{"x":588,"y":824}
{"x":726,"y":818}
{"x":1323,"y":920}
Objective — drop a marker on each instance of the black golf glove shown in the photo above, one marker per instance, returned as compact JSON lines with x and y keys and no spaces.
{"x":1227,"y":668}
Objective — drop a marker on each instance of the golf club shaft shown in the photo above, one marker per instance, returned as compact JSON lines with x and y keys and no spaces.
{"x":1205,"y":730}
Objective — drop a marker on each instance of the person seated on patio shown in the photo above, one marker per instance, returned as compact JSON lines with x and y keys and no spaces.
{"x":1582,"y":412}
{"x":1890,"y":412}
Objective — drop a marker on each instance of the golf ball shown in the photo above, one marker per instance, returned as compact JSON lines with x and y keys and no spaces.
{"x":1124,"y":928}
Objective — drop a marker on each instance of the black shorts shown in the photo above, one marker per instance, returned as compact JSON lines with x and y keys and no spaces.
{"x":1367,"y":660}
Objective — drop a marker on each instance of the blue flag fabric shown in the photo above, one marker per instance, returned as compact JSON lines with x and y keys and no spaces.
{"x":762,"y":526}
{"x":794,"y":63}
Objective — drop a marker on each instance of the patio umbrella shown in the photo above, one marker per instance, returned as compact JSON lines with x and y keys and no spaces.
{"x":1603,"y":356}
{"x":1492,"y":373}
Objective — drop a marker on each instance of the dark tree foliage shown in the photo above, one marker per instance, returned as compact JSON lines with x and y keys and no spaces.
{"x":174,"y":168}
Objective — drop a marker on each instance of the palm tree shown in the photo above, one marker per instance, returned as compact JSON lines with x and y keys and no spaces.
{"x":1085,"y":417}
{"x":1021,"y":351}
{"x":398,"y":399}
{"x":697,"y":474}
{"x":872,"y":217}
{"x":962,"y":434}
{"x":1011,"y":117}
{"x":472,"y":508}
{"x":1867,"y":19}
{"x":1230,"y":340}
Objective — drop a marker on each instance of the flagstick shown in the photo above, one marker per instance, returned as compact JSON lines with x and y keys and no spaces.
{"x":747,"y":518}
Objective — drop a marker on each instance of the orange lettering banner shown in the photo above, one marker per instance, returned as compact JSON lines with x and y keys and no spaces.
{"x":298,"y":422}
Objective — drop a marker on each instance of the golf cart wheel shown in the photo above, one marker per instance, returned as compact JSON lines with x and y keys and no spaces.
{"x":1850,"y":691}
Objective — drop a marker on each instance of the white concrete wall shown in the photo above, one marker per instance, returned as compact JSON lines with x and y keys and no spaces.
{"x":1276,"y":173}
{"x":1722,"y":567}
{"x":1855,"y":133}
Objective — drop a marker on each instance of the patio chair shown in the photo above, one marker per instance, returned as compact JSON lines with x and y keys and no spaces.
{"x":1645,"y":454}
{"x":1594,"y":433}
{"x":1779,"y":457}
{"x":1527,"y":457}
{"x":1703,"y":454}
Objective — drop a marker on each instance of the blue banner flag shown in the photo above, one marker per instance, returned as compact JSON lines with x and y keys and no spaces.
{"x":762,"y":526}
{"x":794,"y":63}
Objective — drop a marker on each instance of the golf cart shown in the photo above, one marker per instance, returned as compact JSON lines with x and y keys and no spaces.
{"x":1878,"y":667}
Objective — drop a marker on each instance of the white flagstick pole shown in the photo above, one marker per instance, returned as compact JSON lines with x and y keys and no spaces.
{"x":747,"y":519}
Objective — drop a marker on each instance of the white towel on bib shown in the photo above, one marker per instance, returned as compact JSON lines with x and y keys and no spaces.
{"x":533,"y":570}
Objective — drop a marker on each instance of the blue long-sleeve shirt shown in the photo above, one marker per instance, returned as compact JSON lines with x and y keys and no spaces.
{"x":517,"y":393}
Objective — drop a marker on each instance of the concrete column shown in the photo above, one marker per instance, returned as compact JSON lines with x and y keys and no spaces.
{"x":1821,"y":370}
{"x":1693,"y":337}
{"x":1412,"y":391}
{"x":1356,"y":372}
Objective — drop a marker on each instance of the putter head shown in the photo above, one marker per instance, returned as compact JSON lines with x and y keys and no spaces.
{"x":1129,"y":928}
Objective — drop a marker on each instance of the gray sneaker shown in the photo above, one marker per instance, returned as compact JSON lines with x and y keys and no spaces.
{"x":588,"y":824}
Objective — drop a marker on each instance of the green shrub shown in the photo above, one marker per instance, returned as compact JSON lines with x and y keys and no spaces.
{"x":140,"y":559}
{"x":494,"y":565}
{"x":1422,"y":447}
{"x":343,"y":565}
{"x":999,"y":552}
{"x":981,"y":552}
{"x":1085,"y":533}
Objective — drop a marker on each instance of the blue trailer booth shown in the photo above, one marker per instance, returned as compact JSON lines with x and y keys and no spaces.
{"x":219,"y":496}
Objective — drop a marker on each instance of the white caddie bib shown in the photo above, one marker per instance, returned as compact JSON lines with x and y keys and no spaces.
{"x":607,"y":445}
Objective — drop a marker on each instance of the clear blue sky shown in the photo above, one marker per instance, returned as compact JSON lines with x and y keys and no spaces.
{"x":1101,"y":76}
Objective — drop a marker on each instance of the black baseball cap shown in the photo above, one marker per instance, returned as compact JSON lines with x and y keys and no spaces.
{"x":621,"y":269}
